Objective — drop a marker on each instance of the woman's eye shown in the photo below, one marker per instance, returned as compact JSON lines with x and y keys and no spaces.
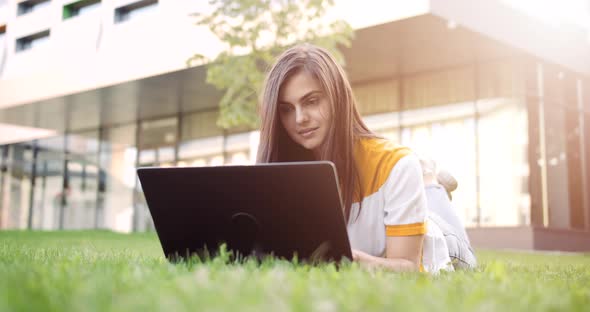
{"x":312,"y":101}
{"x":285,"y":108}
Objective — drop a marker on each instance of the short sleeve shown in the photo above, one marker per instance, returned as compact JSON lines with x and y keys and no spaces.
{"x":405,"y":199}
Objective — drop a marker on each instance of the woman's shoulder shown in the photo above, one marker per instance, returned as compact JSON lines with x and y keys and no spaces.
{"x":380,"y":152}
{"x":376,"y":159}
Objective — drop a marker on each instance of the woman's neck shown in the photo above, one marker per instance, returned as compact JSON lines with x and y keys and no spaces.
{"x":317,"y":153}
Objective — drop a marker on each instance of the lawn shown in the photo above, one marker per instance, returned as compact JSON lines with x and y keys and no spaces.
{"x":104,"y":271}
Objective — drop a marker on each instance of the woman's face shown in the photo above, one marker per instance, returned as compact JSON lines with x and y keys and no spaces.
{"x":304,"y":111}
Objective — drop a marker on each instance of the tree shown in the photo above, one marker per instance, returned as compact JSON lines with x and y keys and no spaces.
{"x":255,"y":32}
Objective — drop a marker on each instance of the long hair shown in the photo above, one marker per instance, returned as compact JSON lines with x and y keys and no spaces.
{"x":346,"y":129}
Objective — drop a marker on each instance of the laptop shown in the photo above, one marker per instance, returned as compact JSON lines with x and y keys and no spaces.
{"x":282,"y":209}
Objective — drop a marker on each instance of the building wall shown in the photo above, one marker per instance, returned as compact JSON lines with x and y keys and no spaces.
{"x":92,"y":49}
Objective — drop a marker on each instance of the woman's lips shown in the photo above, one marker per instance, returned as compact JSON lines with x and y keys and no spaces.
{"x":307,"y":132}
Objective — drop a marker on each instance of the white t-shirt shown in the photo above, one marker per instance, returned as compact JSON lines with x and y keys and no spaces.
{"x":393,"y":203}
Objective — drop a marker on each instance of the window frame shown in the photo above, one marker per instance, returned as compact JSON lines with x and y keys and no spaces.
{"x":27,"y":7}
{"x":72,"y":10}
{"x":26,"y":43}
{"x":123,"y":13}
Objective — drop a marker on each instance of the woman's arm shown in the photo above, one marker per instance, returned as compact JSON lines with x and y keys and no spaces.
{"x":404,"y":219}
{"x":402,"y":254}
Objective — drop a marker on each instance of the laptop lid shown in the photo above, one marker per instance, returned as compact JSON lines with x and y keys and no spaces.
{"x":279,"y":208}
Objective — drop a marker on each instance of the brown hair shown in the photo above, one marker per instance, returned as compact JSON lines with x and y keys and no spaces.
{"x":347,"y":126}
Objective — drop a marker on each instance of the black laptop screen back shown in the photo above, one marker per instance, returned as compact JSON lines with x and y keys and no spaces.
{"x":283,"y":209}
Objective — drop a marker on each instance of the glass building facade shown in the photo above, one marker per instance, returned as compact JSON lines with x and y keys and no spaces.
{"x":87,"y":179}
{"x":477,"y":121}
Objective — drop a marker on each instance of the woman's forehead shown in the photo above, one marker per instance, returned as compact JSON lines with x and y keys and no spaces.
{"x":298,"y":85}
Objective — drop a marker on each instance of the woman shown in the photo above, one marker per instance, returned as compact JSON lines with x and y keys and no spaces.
{"x":308,"y":112}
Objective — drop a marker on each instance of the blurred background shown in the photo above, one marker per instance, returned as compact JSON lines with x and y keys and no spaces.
{"x":497,"y":92}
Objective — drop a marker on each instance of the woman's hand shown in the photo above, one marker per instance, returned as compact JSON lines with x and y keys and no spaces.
{"x":369,"y":262}
{"x":363,"y":259}
{"x":357,"y":255}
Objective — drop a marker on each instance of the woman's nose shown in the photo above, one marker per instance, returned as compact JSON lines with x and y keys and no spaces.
{"x":301,"y":115}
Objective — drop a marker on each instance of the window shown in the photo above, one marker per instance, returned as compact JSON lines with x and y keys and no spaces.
{"x":134,"y":9}
{"x":503,"y":163}
{"x":31,"y":41}
{"x":80,"y":7}
{"x":200,"y":139}
{"x":378,"y":97}
{"x":31,"y":5}
{"x":438,"y":88}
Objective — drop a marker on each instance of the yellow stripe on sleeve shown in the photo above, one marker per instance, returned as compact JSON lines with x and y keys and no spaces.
{"x":406,"y":229}
{"x":375,"y":159}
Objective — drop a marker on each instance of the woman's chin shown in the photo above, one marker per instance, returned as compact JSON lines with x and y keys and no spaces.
{"x":310,"y":145}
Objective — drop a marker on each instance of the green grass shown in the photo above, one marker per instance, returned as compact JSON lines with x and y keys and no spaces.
{"x":104,"y":271}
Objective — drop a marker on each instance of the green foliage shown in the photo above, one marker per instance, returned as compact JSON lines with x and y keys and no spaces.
{"x":255,"y":33}
{"x":104,"y":271}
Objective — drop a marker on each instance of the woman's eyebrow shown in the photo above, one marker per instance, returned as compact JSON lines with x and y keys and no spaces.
{"x":303,"y":98}
{"x":309,"y":94}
